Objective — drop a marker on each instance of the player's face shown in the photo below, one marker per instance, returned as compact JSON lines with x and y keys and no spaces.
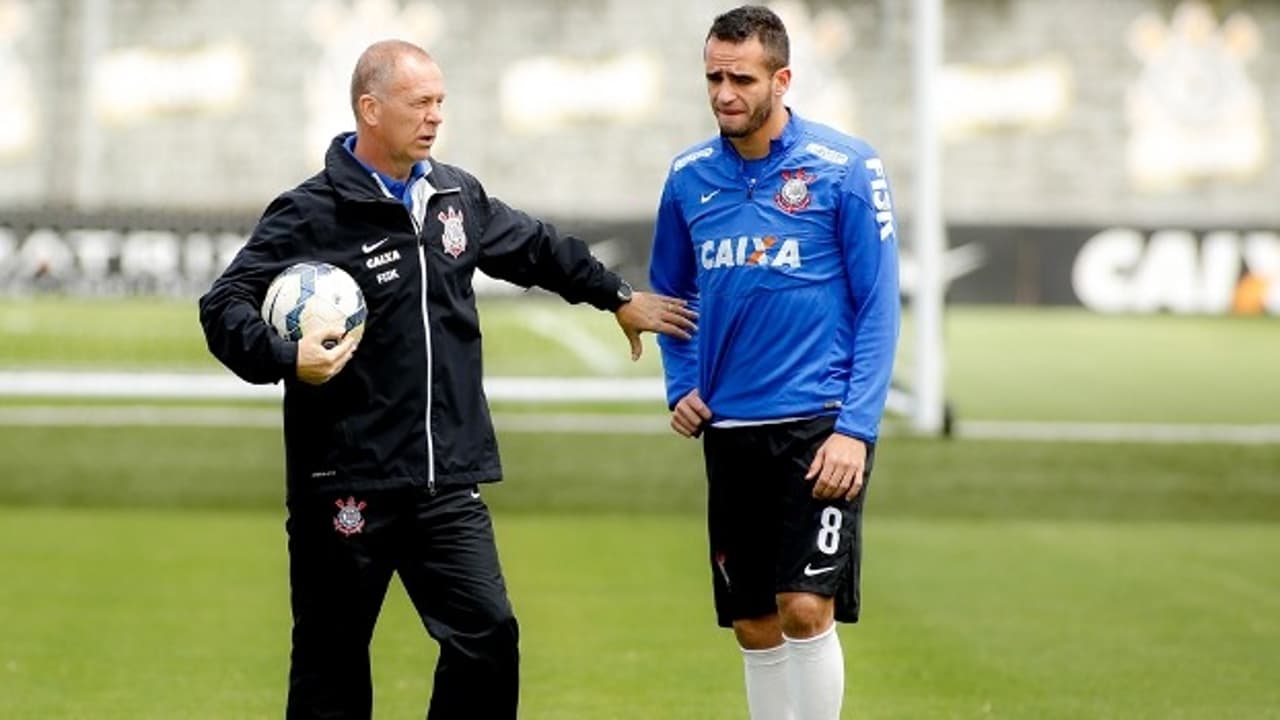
{"x":744,"y":93}
{"x":408,"y":110}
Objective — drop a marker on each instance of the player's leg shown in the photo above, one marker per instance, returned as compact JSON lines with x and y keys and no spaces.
{"x":818,"y":574}
{"x":815,"y":667}
{"x":743,"y":528}
{"x":339,"y":569}
{"x":450,"y":568}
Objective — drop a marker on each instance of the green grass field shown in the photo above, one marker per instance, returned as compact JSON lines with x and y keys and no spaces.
{"x":149,"y":614}
{"x":1004,"y":579}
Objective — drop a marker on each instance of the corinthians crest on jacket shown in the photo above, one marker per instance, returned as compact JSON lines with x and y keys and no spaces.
{"x":454,"y":238}
{"x":794,"y":195}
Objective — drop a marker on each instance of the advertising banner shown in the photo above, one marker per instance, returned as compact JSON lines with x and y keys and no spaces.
{"x":1120,"y":269}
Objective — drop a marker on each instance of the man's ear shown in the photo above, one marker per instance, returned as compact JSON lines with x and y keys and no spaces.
{"x":368,"y":108}
{"x":782,"y":81}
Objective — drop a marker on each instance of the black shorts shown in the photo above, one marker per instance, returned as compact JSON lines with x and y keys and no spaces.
{"x":767,"y":532}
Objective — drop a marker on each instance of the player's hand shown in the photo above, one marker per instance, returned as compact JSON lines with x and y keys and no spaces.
{"x":838,"y":467}
{"x":690,"y":415}
{"x":655,"y":313}
{"x":323,"y":354}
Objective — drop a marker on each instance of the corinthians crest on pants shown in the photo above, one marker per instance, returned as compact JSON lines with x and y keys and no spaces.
{"x":349,"y":519}
{"x":454,"y":238}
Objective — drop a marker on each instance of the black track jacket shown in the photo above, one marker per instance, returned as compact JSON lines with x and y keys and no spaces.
{"x":409,"y":408}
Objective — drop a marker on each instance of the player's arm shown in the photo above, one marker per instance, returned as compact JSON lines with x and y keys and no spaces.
{"x":230,"y":312}
{"x":672,"y":272}
{"x":867,"y":232}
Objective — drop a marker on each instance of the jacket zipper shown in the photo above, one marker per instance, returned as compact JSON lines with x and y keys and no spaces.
{"x":426,"y":327}
{"x":426,"y":324}
{"x":742,"y":174}
{"x":422,"y":193}
{"x":420,"y":200}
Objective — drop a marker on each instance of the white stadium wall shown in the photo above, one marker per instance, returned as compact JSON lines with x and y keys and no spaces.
{"x":183,"y":118}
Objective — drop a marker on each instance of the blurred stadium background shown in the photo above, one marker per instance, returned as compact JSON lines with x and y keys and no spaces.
{"x":1097,"y":540}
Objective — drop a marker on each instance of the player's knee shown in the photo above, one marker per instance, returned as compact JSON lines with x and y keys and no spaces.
{"x":495,"y":645}
{"x":491,"y":620}
{"x":805,"y":615}
{"x":503,"y":633}
{"x":504,"y":643}
{"x":758,"y":633}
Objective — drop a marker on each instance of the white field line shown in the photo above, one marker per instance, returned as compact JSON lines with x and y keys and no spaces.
{"x":137,"y":416}
{"x":152,"y":415}
{"x":1158,"y":433}
{"x":598,"y":356}
{"x":224,"y":386}
{"x":228,"y":387}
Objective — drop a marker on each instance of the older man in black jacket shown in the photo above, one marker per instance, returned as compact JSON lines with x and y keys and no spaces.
{"x":385,"y":447}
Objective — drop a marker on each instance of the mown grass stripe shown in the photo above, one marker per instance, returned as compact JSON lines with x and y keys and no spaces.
{"x":638,"y":423}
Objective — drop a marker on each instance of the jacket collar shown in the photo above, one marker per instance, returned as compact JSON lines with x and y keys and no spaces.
{"x":353,"y":182}
{"x":348,"y":177}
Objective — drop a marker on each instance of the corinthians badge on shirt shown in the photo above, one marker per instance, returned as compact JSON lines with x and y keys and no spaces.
{"x":349,"y":519}
{"x":794,"y":195}
{"x":454,"y":238}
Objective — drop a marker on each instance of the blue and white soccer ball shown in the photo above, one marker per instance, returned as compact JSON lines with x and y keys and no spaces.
{"x":314,"y":295}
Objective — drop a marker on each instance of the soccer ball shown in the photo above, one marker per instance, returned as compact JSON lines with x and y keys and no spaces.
{"x":313,"y":295}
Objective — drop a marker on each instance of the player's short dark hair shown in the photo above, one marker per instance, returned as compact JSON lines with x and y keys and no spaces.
{"x":743,"y":23}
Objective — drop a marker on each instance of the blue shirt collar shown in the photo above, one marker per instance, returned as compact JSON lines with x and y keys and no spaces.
{"x":399,"y":189}
{"x":790,"y":132}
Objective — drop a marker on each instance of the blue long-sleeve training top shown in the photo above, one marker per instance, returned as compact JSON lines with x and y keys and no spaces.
{"x":792,"y":264}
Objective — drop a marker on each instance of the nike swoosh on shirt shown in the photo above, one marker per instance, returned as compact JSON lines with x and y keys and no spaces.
{"x":810,"y":570}
{"x":707,"y":198}
{"x":370,"y":247}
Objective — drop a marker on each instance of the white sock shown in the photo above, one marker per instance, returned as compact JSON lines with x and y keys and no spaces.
{"x":815,"y":674}
{"x":766,"y":671}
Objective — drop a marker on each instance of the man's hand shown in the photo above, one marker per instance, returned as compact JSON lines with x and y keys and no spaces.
{"x":838,"y":467}
{"x":690,"y":414}
{"x":323,"y":354}
{"x":655,"y":313}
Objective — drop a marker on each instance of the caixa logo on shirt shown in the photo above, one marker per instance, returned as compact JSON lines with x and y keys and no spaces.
{"x":745,"y":251}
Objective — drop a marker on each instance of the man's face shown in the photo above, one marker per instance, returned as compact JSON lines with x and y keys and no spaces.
{"x":408,"y":110}
{"x":740,"y":86}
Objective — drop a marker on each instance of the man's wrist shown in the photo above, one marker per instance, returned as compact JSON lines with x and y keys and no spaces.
{"x":622,"y":295}
{"x":286,"y":356}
